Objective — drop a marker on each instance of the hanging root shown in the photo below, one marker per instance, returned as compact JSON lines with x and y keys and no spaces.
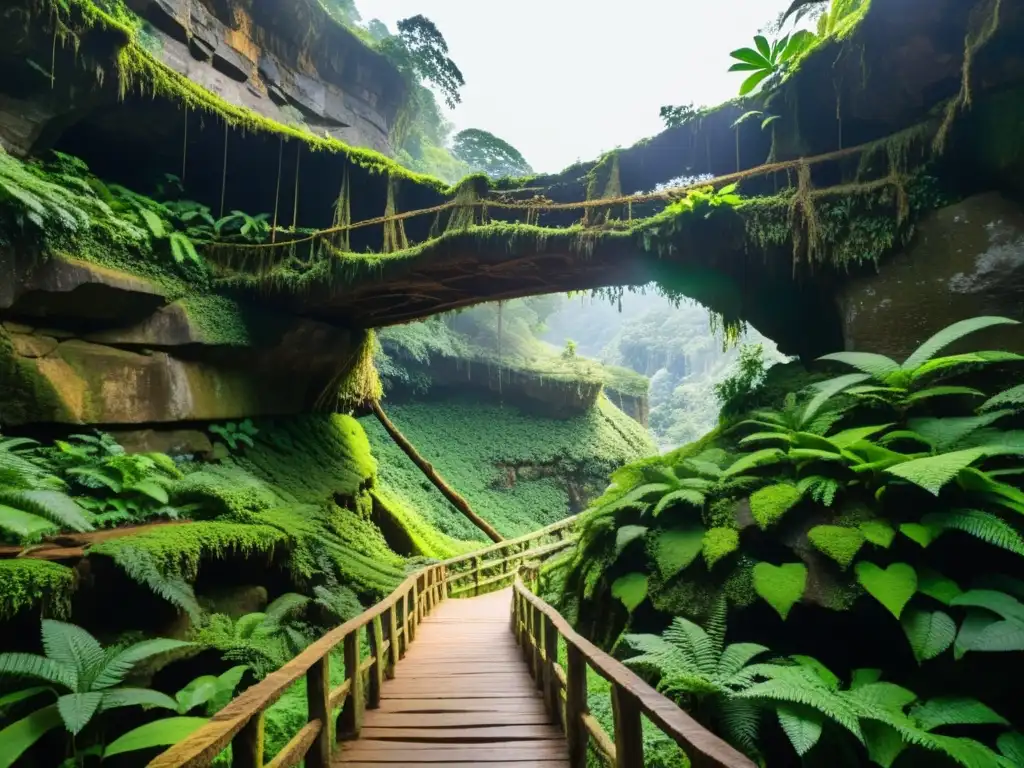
{"x":803,"y":219}
{"x":343,"y":214}
{"x":394,"y":229}
{"x":981,"y":28}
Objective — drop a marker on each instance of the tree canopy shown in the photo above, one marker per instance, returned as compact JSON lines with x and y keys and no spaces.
{"x":420,"y":47}
{"x":483,"y":151}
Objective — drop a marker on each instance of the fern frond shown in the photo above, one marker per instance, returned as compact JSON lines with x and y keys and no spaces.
{"x":694,"y":641}
{"x":285,"y":606}
{"x":797,"y":688}
{"x":954,"y":710}
{"x":981,"y":525}
{"x":878,"y":366}
{"x":948,"y":335}
{"x":740,"y":723}
{"x":689,"y":496}
{"x":39,"y":668}
{"x":57,"y":507}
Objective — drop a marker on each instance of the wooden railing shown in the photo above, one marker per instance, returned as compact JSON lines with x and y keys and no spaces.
{"x":390,"y":628}
{"x":538,"y":628}
{"x":495,"y":567}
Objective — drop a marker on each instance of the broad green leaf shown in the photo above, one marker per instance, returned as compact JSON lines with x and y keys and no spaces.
{"x":753,"y":460}
{"x":689,"y":496}
{"x":1011,"y":398}
{"x":631,"y":589}
{"x":136,"y":697}
{"x":826,"y":390}
{"x":934,"y":472}
{"x":26,"y":693}
{"x":1011,"y":744}
{"x":798,"y":43}
{"x":626,"y":535}
{"x":849,"y":437}
{"x":884,"y":743}
{"x":763,"y":437}
{"x":937,"y":586}
{"x":948,"y":335}
{"x":878,"y":532}
{"x":878,"y":366}
{"x":861,"y":677}
{"x":18,"y":737}
{"x":769,"y":504}
{"x":762,"y":46}
{"x":837,"y":542}
{"x":197,"y":693}
{"x":753,"y":81}
{"x":926,"y":394}
{"x":743,"y":66}
{"x":77,"y":709}
{"x":930,"y":632}
{"x":802,"y":726}
{"x":950,"y":432}
{"x":892,"y":587}
{"x":23,"y":524}
{"x":999,"y":637}
{"x":918,"y":533}
{"x":675,"y":550}
{"x":945,"y":364}
{"x":826,"y":675}
{"x":954,"y":710}
{"x":1001,"y":603}
{"x":160,"y":733}
{"x":781,"y":586}
{"x":750,"y":56}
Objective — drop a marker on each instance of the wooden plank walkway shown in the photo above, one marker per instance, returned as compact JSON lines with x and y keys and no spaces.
{"x":462,"y":696}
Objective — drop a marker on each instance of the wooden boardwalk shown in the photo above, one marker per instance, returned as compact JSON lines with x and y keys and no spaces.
{"x":462,"y":696}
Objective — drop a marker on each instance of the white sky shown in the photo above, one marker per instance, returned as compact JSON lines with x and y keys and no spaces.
{"x":564,"y":80}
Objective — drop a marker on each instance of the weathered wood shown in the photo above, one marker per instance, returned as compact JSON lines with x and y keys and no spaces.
{"x":317,"y":705}
{"x":476,"y":575}
{"x":247,"y":746}
{"x":380,"y":719}
{"x":394,"y":644}
{"x":699,"y":744}
{"x":602,"y":741}
{"x":551,"y":686}
{"x":456,"y":735}
{"x":375,"y":634}
{"x":425,"y":467}
{"x":337,"y":697}
{"x":538,"y":639}
{"x":576,"y":706}
{"x":512,"y":543}
{"x":302,"y":746}
{"x":629,"y":734}
{"x":350,"y":721}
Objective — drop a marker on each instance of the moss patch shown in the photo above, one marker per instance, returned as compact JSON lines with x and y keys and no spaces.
{"x":27,"y":584}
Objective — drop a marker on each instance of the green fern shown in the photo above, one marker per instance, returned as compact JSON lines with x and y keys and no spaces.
{"x":982,"y":525}
{"x":930,"y":632}
{"x":183,"y":249}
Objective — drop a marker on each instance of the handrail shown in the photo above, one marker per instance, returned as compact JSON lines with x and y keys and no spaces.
{"x":512,"y":555}
{"x":537,"y":627}
{"x":391,"y":627}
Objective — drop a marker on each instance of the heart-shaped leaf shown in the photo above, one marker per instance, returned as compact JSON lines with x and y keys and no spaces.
{"x":631,"y":589}
{"x":892,"y":587}
{"x":674,"y":550}
{"x":781,"y":586}
{"x":839,"y":543}
{"x":878,"y":532}
{"x":626,"y":535}
{"x":930,"y":633}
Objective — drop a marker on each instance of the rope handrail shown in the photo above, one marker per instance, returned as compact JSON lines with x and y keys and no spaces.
{"x":669,"y":194}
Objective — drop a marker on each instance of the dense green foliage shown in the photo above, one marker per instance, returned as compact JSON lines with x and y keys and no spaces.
{"x":836,"y":500}
{"x":517,"y":483}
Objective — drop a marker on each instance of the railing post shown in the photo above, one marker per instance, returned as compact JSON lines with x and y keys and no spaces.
{"x":527,"y":634}
{"x":551,"y":659}
{"x":395,"y":651}
{"x":428,"y":592}
{"x":538,"y":638}
{"x":629,"y":738}
{"x":375,"y":634}
{"x":247,"y":746}
{"x":318,"y":691}
{"x":576,"y":706}
{"x":350,"y":721}
{"x":415,"y":606}
{"x":476,"y":576}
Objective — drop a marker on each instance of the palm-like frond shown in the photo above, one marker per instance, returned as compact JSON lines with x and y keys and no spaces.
{"x":948,"y":335}
{"x":54,"y":506}
{"x":39,"y":668}
{"x":71,"y":646}
{"x":117,"y":667}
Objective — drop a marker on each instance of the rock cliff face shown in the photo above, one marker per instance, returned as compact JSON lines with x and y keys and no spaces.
{"x":289,"y":62}
{"x":82,"y":344}
{"x":967,"y":259}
